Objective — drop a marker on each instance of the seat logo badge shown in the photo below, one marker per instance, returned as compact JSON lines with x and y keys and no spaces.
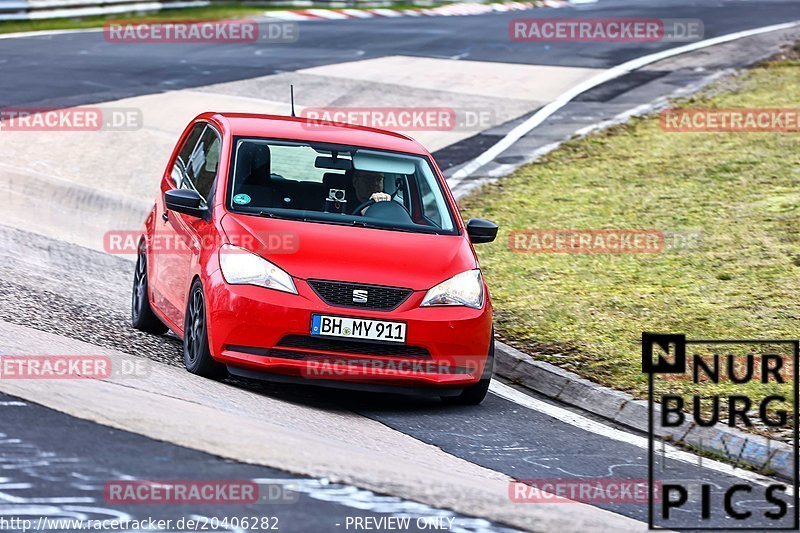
{"x":360,"y":296}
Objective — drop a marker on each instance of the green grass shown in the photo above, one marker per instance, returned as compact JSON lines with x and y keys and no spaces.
{"x":212,"y":12}
{"x":740,"y":191}
{"x":217,"y":11}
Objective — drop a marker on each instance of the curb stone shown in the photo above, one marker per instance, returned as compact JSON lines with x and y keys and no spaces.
{"x":761,"y":453}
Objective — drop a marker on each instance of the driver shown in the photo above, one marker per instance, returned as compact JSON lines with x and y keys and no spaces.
{"x":369,"y":186}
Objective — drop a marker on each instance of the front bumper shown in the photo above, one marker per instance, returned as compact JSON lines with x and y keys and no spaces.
{"x":250,"y":328}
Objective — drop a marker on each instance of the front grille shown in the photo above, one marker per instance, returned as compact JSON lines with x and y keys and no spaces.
{"x":340,"y":294}
{"x":353,"y":347}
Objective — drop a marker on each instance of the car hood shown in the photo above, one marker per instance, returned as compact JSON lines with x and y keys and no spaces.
{"x":310,"y":250}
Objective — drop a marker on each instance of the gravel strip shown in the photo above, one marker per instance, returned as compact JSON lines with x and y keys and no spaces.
{"x":75,"y":292}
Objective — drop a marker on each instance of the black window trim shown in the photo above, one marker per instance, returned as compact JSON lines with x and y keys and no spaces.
{"x":206,"y":125}
{"x":228,"y":204}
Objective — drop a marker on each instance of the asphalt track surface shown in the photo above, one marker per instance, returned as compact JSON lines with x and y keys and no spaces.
{"x":83,"y":68}
{"x":69,"y":471}
{"x":61,"y":295}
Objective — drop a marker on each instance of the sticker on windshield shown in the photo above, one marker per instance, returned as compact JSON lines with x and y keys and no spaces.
{"x":241,"y":199}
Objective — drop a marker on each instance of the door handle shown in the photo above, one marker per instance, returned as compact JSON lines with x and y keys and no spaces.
{"x":165,"y":216}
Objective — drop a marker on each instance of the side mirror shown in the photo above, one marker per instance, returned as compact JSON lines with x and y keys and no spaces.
{"x":481,"y":231}
{"x":184,"y":201}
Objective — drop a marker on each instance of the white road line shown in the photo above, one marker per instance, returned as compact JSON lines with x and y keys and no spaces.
{"x":46,"y":33}
{"x":615,"y":72}
{"x":581,"y":422}
{"x":13,"y":404}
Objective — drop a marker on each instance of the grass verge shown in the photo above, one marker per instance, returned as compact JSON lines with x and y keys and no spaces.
{"x":739,"y":192}
{"x":216,"y":11}
{"x":212,"y":12}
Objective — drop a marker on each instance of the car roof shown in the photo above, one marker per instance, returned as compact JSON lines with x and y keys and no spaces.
{"x":303,"y":129}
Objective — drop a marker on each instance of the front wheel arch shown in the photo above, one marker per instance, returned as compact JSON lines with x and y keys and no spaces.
{"x":197,"y":356}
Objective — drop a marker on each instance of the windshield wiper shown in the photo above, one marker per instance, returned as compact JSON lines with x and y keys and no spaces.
{"x":355,"y":223}
{"x":269,"y":214}
{"x":365,"y":224}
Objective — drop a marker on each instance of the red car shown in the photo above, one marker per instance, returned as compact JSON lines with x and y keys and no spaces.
{"x":291,"y":249}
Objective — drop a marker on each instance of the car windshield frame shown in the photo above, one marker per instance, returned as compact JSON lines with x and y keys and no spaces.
{"x":322,"y":217}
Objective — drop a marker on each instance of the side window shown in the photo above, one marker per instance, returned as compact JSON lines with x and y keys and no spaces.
{"x":179,"y":169}
{"x":196,"y":165}
{"x":396,"y":185}
{"x":430,"y":203}
{"x":205,"y":161}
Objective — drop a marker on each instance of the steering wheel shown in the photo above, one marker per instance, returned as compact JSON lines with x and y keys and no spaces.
{"x":364,"y":205}
{"x":371,"y":202}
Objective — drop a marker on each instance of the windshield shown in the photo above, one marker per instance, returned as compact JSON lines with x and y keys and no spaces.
{"x":338,"y":185}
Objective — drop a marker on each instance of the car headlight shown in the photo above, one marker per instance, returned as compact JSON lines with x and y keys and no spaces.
{"x":464,"y":289}
{"x":241,"y":267}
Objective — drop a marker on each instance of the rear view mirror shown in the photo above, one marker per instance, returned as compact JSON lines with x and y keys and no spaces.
{"x":324,"y":161}
{"x":481,"y":231}
{"x":184,"y":201}
{"x":370,"y":161}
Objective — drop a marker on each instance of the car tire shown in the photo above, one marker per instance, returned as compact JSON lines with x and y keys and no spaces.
{"x":196,"y":353}
{"x":142,"y":316}
{"x":474,"y":394}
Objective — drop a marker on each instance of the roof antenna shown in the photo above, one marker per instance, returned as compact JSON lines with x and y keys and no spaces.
{"x":291,"y":90}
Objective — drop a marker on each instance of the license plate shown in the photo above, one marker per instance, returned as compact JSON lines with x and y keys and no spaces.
{"x":358,"y":328}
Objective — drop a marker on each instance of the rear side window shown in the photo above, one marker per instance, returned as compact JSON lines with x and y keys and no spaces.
{"x":296,"y":163}
{"x":197,"y":163}
{"x":179,"y":169}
